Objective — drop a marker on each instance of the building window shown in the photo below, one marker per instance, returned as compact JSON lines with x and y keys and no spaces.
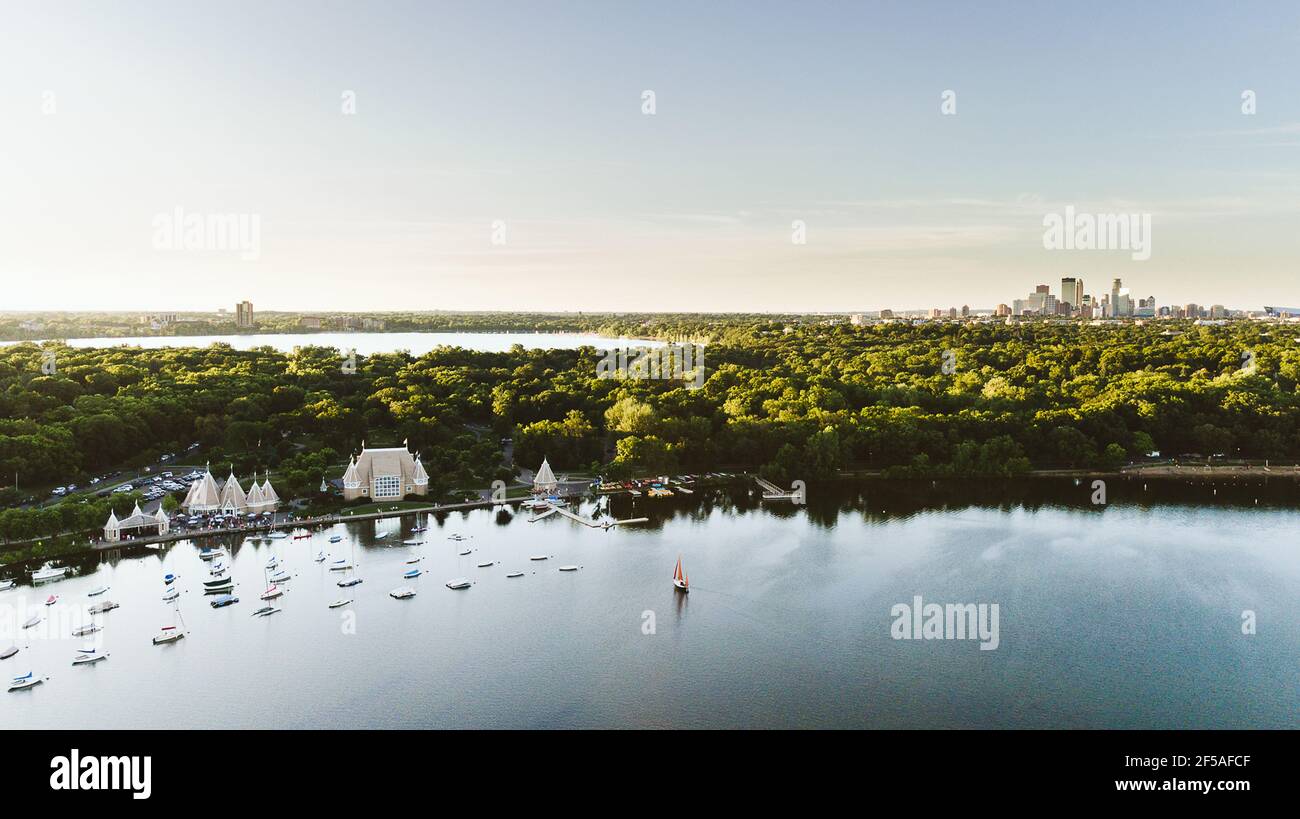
{"x":387,"y":486}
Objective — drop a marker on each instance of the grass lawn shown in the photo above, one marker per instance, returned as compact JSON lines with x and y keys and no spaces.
{"x":389,"y":506}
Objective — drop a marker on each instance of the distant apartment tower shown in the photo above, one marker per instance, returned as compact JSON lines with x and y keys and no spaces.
{"x":244,"y":314}
{"x":1115,"y":287}
{"x":1003,"y":310}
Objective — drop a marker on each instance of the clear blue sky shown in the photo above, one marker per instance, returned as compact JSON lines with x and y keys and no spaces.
{"x":531,"y":114}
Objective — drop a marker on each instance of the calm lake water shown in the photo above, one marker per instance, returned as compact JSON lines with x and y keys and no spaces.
{"x":1123,"y":617}
{"x":370,"y":343}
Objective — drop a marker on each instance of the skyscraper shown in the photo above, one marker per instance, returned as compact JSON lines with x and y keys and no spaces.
{"x":1115,"y":287}
{"x":244,"y":314}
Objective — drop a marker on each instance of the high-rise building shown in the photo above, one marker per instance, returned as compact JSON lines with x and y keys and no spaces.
{"x":1115,"y":286}
{"x":244,"y":314}
{"x":1072,"y":292}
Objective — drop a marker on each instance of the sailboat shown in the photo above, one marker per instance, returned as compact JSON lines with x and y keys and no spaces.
{"x":680,"y":581}
{"x":25,"y":681}
{"x":347,"y":565}
{"x":87,"y":656}
{"x":169,"y":634}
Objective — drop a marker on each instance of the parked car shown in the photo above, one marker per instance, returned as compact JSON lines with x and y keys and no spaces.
{"x":126,"y":487}
{"x":60,"y":490}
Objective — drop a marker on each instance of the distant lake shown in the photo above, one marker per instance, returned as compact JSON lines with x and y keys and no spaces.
{"x":370,"y":343}
{"x":1127,"y":616}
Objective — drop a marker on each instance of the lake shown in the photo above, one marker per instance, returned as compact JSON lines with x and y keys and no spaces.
{"x":1124,"y":616}
{"x":371,"y":343}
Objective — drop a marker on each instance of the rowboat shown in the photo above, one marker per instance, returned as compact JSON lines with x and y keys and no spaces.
{"x":539,"y":557}
{"x":515,"y":574}
{"x":411,"y":574}
{"x":462,"y":554}
{"x":340,"y":602}
{"x":97,"y":592}
{"x":568,"y":568}
{"x":51,"y":600}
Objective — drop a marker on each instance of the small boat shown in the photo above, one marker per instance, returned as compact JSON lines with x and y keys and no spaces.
{"x":341,"y":602}
{"x":458,"y":583}
{"x":6,"y":585}
{"x":412,"y":542}
{"x":349,"y":582}
{"x":224,"y":586}
{"x":51,"y":600}
{"x":301,"y":535}
{"x":49,"y":574}
{"x":171,"y":594}
{"x":208,"y":553}
{"x":271,"y":593}
{"x":680,"y":581}
{"x":382,"y":535}
{"x":487,"y":563}
{"x":457,"y":536}
{"x":169,"y":579}
{"x":273,"y":562}
{"x":515,"y":574}
{"x":97,"y":592}
{"x":34,"y":620}
{"x":539,"y":557}
{"x":568,"y":568}
{"x":418,"y":529}
{"x":169,"y":634}
{"x":414,"y":560}
{"x":279,"y":577}
{"x":340,"y":566}
{"x":403,"y":593}
{"x":411,"y":575}
{"x":107,"y":605}
{"x":462,"y":554}
{"x":320,"y":557}
{"x":8,"y":652}
{"x":88,"y":656}
{"x":335,"y":538}
{"x":25,"y":681}
{"x":266,"y":611}
{"x":218,"y":570}
{"x":276,"y":536}
{"x":223,"y":601}
{"x":82,"y":631}
{"x":216,"y":582}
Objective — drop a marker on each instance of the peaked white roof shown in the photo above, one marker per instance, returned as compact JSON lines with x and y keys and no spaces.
{"x":421,"y":477}
{"x":204,"y":494}
{"x":545,"y":477}
{"x":268,"y":491}
{"x":350,"y":477}
{"x":232,"y":494}
{"x":254,"y":498}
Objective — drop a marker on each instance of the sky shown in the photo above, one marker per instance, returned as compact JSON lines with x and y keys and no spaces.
{"x":505,"y":156}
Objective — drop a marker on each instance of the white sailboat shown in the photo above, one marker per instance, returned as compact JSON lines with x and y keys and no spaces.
{"x":25,"y":681}
{"x":172,"y":633}
{"x":87,"y":656}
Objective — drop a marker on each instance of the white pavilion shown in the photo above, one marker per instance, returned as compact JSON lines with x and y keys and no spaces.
{"x":206,"y":495}
{"x":137,"y":523}
{"x":544,"y":481}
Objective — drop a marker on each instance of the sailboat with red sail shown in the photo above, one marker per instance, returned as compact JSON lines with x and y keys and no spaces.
{"x":680,"y":581}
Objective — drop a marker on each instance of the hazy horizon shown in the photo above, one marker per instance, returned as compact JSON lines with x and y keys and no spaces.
{"x":500,"y":157}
